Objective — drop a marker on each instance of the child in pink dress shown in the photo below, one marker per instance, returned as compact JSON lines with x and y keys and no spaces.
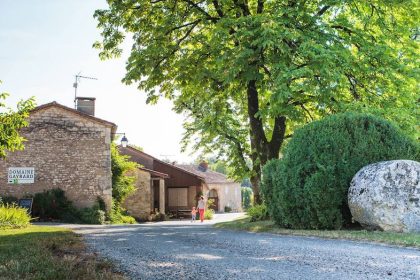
{"x":193,"y":214}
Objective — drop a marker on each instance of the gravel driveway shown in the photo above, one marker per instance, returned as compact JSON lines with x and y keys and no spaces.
{"x":182,"y":250}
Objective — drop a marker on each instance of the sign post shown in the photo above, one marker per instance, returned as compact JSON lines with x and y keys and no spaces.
{"x":26,"y":203}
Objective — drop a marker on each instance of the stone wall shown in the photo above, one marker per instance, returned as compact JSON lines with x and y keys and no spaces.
{"x":67,"y":151}
{"x":140,"y":204}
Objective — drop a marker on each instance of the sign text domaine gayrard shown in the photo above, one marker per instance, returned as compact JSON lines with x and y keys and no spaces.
{"x":21,"y":175}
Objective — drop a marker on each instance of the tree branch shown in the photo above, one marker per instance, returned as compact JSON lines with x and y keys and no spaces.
{"x":344,"y":28}
{"x":218,"y":8}
{"x":322,"y":11}
{"x":201,"y":10}
{"x":182,"y":26}
{"x":260,"y":6}
{"x":243,"y":5}
{"x":178,"y":43}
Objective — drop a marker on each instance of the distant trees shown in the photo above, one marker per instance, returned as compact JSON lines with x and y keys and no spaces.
{"x":247,"y":73}
{"x":11,"y":122}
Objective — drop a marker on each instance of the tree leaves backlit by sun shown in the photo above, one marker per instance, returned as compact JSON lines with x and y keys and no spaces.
{"x":11,"y":122}
{"x":246,"y":73}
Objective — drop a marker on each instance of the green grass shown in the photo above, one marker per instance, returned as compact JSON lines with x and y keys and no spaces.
{"x":39,"y":252}
{"x":401,"y":239}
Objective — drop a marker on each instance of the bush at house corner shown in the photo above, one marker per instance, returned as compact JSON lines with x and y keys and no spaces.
{"x":308,"y":187}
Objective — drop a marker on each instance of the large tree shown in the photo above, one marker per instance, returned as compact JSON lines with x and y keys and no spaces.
{"x":247,"y":72}
{"x":11,"y":121}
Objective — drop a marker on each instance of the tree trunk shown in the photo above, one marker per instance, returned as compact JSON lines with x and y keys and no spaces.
{"x":262,"y":149}
{"x":255,"y":182}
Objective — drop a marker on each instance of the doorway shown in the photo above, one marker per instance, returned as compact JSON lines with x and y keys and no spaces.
{"x":213,"y":196}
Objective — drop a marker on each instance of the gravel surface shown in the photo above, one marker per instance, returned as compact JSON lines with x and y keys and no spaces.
{"x":182,"y":250}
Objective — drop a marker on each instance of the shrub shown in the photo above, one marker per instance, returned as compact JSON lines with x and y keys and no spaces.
{"x":156,"y":217}
{"x":8,"y":200}
{"x":208,"y":214}
{"x":228,"y":209}
{"x":311,"y":182}
{"x":246,"y":193}
{"x":267,"y":182}
{"x":92,"y":215}
{"x":258,"y":212}
{"x":12,"y":216}
{"x":54,"y":205}
{"x":119,"y":215}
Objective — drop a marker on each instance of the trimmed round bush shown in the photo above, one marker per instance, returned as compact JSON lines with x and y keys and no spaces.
{"x":308,"y":187}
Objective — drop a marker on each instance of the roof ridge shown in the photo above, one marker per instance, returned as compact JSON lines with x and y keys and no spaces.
{"x":165,"y":163}
{"x":93,"y":118}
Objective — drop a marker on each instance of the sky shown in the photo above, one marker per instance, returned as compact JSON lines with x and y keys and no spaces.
{"x":44,"y":44}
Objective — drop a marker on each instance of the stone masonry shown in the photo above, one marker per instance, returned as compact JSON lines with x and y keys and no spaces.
{"x":68,"y":150}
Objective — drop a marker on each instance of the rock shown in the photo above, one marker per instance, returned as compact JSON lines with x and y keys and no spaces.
{"x":386,"y":195}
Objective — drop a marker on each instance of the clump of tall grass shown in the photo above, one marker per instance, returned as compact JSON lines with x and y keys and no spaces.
{"x":12,"y":216}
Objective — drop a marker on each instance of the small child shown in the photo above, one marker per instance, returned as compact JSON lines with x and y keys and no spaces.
{"x":193,"y":214}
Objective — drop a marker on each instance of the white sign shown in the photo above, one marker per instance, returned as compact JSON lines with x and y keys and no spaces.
{"x":21,"y":175}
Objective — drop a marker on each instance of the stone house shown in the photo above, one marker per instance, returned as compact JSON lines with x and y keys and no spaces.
{"x":165,"y":188}
{"x":65,"y":148}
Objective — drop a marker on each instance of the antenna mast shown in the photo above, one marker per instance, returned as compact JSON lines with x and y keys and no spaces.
{"x":76,"y":83}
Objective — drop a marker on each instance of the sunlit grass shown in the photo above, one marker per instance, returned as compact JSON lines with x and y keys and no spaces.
{"x":393,"y":238}
{"x":49,"y":253}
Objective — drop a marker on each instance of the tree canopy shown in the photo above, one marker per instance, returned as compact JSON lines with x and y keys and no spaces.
{"x":11,"y":121}
{"x":248,"y":72}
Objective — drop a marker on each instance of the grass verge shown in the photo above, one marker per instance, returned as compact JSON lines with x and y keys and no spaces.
{"x":39,"y":252}
{"x":401,"y":239}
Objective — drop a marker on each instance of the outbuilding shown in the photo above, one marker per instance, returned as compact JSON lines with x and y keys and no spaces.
{"x":169,"y":188}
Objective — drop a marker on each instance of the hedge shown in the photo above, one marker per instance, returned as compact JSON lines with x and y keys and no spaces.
{"x":308,"y":187}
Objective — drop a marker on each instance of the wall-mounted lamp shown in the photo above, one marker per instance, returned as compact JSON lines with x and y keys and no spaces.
{"x":124,"y":140}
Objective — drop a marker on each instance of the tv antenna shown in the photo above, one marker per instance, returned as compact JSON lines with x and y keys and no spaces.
{"x":76,"y":83}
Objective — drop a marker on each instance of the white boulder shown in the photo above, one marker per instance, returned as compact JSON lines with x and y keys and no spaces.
{"x":386,"y":195}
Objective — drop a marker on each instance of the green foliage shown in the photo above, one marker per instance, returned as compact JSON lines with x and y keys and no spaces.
{"x":12,"y":216}
{"x":122,"y":182}
{"x":238,"y":69}
{"x":311,"y":182}
{"x":10,"y":124}
{"x":210,"y":203}
{"x":228,"y":209}
{"x":208,"y":214}
{"x":8,"y":200}
{"x":246,"y":193}
{"x":269,"y":172}
{"x":54,"y":205}
{"x":119,"y":215}
{"x":122,"y":186}
{"x":92,"y":215}
{"x":156,"y":217}
{"x":258,"y":212}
